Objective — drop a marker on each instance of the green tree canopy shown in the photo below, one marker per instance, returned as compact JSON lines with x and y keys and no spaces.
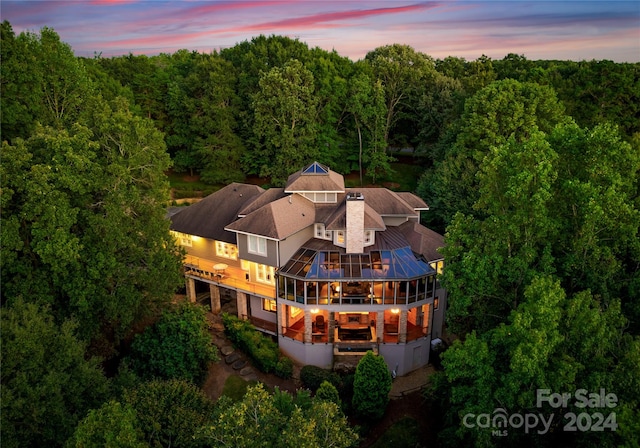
{"x":285,"y":121}
{"x":551,"y":341}
{"x":47,"y":384}
{"x":178,"y":346}
{"x":261,"y":421}
{"x":502,"y":110}
{"x":113,"y":425}
{"x":171,"y":413}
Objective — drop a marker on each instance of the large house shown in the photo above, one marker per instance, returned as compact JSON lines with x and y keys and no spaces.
{"x":330,"y":271}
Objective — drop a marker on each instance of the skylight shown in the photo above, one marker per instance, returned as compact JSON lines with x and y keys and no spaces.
{"x":315,"y":168}
{"x":377,"y":264}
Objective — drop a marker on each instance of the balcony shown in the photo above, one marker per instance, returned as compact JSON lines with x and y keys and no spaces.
{"x":231,"y":277}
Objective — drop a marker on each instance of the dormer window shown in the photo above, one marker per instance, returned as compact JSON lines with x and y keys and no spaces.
{"x":321,"y":233}
{"x":339,"y":239}
{"x":369,"y":237}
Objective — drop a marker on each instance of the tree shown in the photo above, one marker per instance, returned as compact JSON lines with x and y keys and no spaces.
{"x":502,"y":110}
{"x":67,"y":196}
{"x":371,"y":386}
{"x":328,"y":392}
{"x":42,"y":82}
{"x":171,"y":413}
{"x":551,"y":341}
{"x":403,"y":72}
{"x":178,"y":346}
{"x":259,"y":421}
{"x":285,"y":120}
{"x":489,"y":261}
{"x":113,"y":425}
{"x":368,"y":110}
{"x":47,"y":384}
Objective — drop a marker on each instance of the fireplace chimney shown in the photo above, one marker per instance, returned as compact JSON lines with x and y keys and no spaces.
{"x":355,"y":223}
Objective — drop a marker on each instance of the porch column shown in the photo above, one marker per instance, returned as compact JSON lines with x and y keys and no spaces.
{"x":380,"y":325}
{"x":242,"y":305}
{"x":282,"y":318}
{"x":331,"y":327}
{"x":307,"y":326}
{"x":214,"y":292}
{"x":191,"y":289}
{"x":402,"y":327}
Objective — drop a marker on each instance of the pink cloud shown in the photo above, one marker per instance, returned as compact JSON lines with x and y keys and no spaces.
{"x":324,"y":18}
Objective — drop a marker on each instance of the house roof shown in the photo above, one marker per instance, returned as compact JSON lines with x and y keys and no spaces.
{"x":278,"y":219}
{"x":315,"y":177}
{"x":209,"y":217}
{"x":422,"y":240}
{"x":413,"y":200}
{"x":385,"y":202}
{"x":337,"y":219}
{"x":272,"y":194}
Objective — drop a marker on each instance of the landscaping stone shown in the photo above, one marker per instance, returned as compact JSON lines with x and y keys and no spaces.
{"x":233,"y":357}
{"x":226,"y":350}
{"x":251,"y":377}
{"x":246,"y":371}
{"x":239,"y":364}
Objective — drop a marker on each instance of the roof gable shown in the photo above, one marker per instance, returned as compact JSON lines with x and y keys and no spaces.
{"x":208,"y":217}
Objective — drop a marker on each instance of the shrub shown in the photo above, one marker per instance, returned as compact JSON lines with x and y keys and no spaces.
{"x":328,"y":392}
{"x":371,"y":386}
{"x":263,"y":352}
{"x":312,"y":377}
{"x":284,"y":367}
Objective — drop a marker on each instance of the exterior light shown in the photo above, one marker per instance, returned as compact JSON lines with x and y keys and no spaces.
{"x":395,"y":310}
{"x":315,"y":310}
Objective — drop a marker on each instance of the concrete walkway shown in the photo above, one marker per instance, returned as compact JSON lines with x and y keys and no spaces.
{"x":412,"y":382}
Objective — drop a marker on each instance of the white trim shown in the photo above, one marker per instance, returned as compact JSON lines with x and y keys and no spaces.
{"x":255,"y":234}
{"x":257,"y":250}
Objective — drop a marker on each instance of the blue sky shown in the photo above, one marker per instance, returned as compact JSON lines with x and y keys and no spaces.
{"x":576,"y":30}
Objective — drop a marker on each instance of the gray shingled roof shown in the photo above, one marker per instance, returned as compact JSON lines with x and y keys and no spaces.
{"x":422,"y":240}
{"x":278,"y":219}
{"x":209,"y":217}
{"x":413,"y":200}
{"x":272,"y":194}
{"x":337,"y":220}
{"x":384,"y":201}
{"x":298,"y":182}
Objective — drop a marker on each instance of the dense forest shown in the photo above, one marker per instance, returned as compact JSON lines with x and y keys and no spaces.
{"x":530,"y":169}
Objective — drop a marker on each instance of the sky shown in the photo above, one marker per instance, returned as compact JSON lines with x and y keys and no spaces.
{"x":568,"y":30}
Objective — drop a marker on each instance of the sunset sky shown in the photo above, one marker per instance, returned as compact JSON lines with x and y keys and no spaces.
{"x":576,"y":30}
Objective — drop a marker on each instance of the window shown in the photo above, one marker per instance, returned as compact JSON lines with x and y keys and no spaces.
{"x":183,"y":239}
{"x":339,"y":238}
{"x":264,"y":274}
{"x":226,"y":250}
{"x":322,"y":233}
{"x":269,"y":305}
{"x":257,"y":245}
{"x":436,"y":303}
{"x":368,"y":237}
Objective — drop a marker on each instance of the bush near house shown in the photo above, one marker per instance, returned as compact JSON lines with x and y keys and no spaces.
{"x":312,"y":377}
{"x":264,"y":353}
{"x":371,"y":387}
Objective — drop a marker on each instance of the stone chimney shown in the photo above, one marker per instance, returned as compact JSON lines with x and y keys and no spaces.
{"x":355,"y":223}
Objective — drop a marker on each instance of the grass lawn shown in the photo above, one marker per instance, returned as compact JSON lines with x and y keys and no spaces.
{"x":235,"y":387}
{"x":404,"y":177}
{"x":185,"y":186}
{"x":402,"y":434}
